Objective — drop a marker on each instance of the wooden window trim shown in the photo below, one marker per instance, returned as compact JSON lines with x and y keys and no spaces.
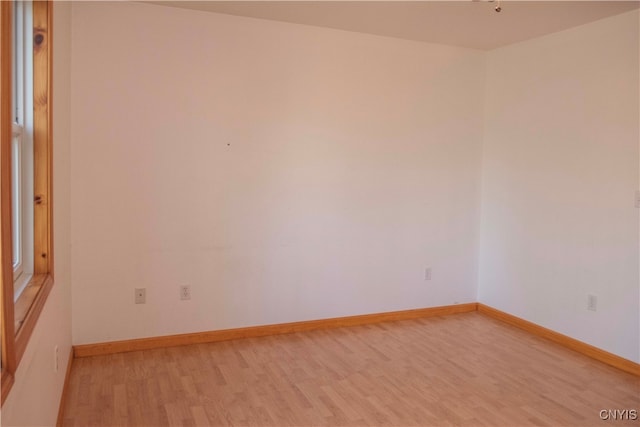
{"x":6,"y":274}
{"x":19,"y":319}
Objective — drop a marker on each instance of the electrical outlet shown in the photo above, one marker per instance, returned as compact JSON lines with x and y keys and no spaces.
{"x":638,"y":199}
{"x":185,"y":292}
{"x":427,"y":273}
{"x":141,"y":295}
{"x":592,"y":302}
{"x":55,"y":359}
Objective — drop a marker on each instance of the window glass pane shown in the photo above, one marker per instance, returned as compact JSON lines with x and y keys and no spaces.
{"x":18,"y":61}
{"x":22,"y":148}
{"x":16,"y":200}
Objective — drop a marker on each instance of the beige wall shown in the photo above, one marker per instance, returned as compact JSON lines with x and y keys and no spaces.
{"x":35,"y":396}
{"x":285,"y":172}
{"x":560,"y":172}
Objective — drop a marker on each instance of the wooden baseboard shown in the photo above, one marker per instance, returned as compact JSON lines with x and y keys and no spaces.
{"x":98,"y":349}
{"x":571,"y":343}
{"x":261,"y":331}
{"x":63,"y":398}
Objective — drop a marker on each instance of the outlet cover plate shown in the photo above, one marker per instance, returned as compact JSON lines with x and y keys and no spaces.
{"x":140,"y":295}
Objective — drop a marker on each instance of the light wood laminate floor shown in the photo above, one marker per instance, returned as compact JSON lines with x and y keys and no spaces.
{"x":463,"y":369}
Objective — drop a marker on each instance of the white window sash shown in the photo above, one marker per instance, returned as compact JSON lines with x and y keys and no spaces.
{"x":16,"y":195}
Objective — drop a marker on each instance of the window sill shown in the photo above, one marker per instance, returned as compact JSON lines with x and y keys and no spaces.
{"x":7,"y":383}
{"x":27,"y":310}
{"x":28,"y":307}
{"x":26,"y":299}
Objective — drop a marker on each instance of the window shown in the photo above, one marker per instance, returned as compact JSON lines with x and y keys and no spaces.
{"x":26,"y":256}
{"x":22,"y":149}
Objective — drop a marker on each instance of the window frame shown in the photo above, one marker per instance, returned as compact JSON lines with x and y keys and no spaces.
{"x":19,"y":319}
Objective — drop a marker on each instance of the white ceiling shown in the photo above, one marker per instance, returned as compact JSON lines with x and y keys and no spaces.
{"x":472,"y":24}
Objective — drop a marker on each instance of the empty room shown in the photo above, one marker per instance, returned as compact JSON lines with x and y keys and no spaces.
{"x":327,"y":213}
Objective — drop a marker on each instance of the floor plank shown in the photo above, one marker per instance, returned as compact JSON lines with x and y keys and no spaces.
{"x":459,"y":370}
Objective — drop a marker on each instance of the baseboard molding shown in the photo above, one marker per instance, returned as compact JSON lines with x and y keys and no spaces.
{"x":63,"y":398}
{"x":261,"y":331}
{"x":571,"y":343}
{"x":98,"y":349}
